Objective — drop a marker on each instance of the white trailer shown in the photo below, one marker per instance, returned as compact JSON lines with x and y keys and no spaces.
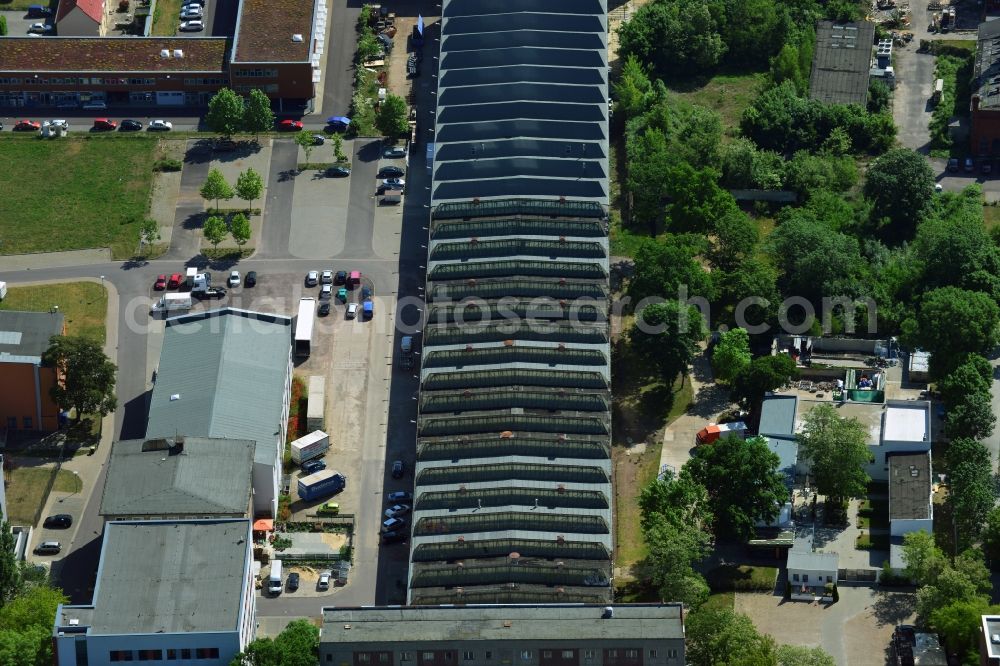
{"x":310,"y":446}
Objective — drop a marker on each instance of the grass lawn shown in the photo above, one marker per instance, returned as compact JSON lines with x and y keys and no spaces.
{"x":867,"y":541}
{"x":83,"y":304}
{"x":727,"y":94}
{"x":991,"y":216}
{"x":166,"y":18}
{"x":741,"y":578}
{"x":28,"y":487}
{"x":720,"y":601}
{"x":22,"y":5}
{"x":98,"y":193}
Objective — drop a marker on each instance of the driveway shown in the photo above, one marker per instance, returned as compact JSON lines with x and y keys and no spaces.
{"x":185,"y":241}
{"x":911,"y":105}
{"x":856,"y":630}
{"x":338,"y":86}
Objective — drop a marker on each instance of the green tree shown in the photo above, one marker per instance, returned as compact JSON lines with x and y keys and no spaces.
{"x":673,"y":549}
{"x":753,"y":279}
{"x":900,"y":184}
{"x":959,"y":622}
{"x":974,"y":376}
{"x":746,"y":167}
{"x":837,"y":451}
{"x":338,"y":148}
{"x":743,"y":483}
{"x":10,"y":573}
{"x":952,"y":246}
{"x":971,"y":487}
{"x":149,"y":232}
{"x":391,"y":119}
{"x":216,"y":187}
{"x":215,"y":230}
{"x":679,"y":499}
{"x":800,"y":655}
{"x":951,"y":586}
{"x":249,"y":186}
{"x":678,"y":38}
{"x":296,"y":645}
{"x":693,"y":132}
{"x":923,"y":560}
{"x":663,"y":267}
{"x":951,"y":323}
{"x":26,"y":626}
{"x":696,"y":200}
{"x":240,"y":229}
{"x":878,"y":96}
{"x":764,"y":374}
{"x":991,"y":537}
{"x":3,"y":26}
{"x":225,"y":113}
{"x":305,"y":141}
{"x":732,"y":355}
{"x":368,"y":47}
{"x":632,"y":90}
{"x":716,"y":636}
{"x":753,"y":30}
{"x":257,"y":114}
{"x":648,"y":160}
{"x":666,"y":335}
{"x":735,"y":239}
{"x":971,"y":418}
{"x":88,"y":376}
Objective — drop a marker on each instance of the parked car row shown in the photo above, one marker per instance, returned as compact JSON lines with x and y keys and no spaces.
{"x":394,"y":527}
{"x":100,"y":125}
{"x":176,"y":281}
{"x":968,"y":165}
{"x":192,"y":16}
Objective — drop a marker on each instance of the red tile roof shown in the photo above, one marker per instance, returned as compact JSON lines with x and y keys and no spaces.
{"x":112,"y":54}
{"x":266,"y":28}
{"x":92,"y":8}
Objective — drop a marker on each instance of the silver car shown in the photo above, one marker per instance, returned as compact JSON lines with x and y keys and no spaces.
{"x":312,"y":278}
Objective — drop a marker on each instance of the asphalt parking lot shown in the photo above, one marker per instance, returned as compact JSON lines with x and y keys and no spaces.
{"x":18,"y":22}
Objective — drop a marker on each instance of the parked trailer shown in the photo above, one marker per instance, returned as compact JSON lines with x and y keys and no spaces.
{"x":712,"y":432}
{"x":310,"y":446}
{"x":323,"y":483}
{"x":304,"y":326}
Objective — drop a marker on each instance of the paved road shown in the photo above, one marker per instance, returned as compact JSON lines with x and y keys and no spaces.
{"x":184,"y":241}
{"x":278,"y":209}
{"x":338,"y":85}
{"x":912,"y":105}
{"x":361,"y":201}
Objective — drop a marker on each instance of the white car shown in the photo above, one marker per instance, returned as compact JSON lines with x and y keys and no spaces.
{"x":40,"y":28}
{"x":192,"y":7}
{"x":326,"y":277}
{"x":191,"y":14}
{"x":235,"y":279}
{"x":160,"y":126}
{"x":312,"y":278}
{"x":192,"y":26}
{"x":394,"y":183}
{"x":324,"y":581}
{"x":59,"y":124}
{"x":326,"y":292}
{"x":352,"y":310}
{"x":397,"y":510}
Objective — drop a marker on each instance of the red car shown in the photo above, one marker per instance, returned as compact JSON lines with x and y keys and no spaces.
{"x":290,"y":125}
{"x":175,"y":281}
{"x":104,"y":125}
{"x":27,"y":126}
{"x":161,"y":283}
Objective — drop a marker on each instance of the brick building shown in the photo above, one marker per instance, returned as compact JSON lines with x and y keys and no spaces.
{"x":985,"y":139}
{"x":25,"y":403}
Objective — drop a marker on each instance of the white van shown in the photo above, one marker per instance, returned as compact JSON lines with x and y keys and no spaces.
{"x":274,"y":581}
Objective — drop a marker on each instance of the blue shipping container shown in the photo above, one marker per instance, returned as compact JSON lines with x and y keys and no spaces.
{"x":321,"y":484}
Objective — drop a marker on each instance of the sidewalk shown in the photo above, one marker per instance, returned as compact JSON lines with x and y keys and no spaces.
{"x":710,"y":400}
{"x":88,"y":468}
{"x":70,"y":258}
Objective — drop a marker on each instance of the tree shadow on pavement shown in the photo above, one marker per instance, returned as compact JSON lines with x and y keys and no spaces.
{"x":892,"y":608}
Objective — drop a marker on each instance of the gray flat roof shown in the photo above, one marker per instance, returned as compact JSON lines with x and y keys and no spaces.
{"x":519,"y":74}
{"x":842,"y":62}
{"x":196,"y":476}
{"x":222,"y":374}
{"x":24,"y":336}
{"x":171,"y":576}
{"x":811,"y":561}
{"x":777,"y":415}
{"x":909,"y":486}
{"x":787,"y":450}
{"x":386,"y":625}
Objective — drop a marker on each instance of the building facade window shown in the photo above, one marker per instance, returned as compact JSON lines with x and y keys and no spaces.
{"x":526,"y":655}
{"x":406,"y":656}
{"x":150,"y":655}
{"x":489,"y":654}
{"x":795,"y":577}
{"x":588,"y":654}
{"x":120,"y":655}
{"x":671,"y":654}
{"x":428,"y":656}
{"x":805,"y":578}
{"x":364,"y":657}
{"x":567,"y":654}
{"x":468,"y":655}
{"x":27,"y":423}
{"x":206,"y":653}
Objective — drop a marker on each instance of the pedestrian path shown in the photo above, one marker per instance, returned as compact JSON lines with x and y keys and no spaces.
{"x":41,"y":260}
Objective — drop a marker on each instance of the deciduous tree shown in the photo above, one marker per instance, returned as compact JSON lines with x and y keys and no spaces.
{"x":721,"y":636}
{"x":215,"y":230}
{"x":743,"y":483}
{"x":973,"y":376}
{"x":951,"y":323}
{"x":971,"y":487}
{"x":249,"y":186}
{"x":149,"y":232}
{"x":678,"y":499}
{"x":900,"y":184}
{"x":296,"y":645}
{"x":662,"y":267}
{"x":257,"y":114}
{"x":673,"y":549}
{"x":88,"y":376}
{"x":305,"y":141}
{"x":10,"y":572}
{"x":225,"y":113}
{"x":216,"y":187}
{"x":764,"y":374}
{"x":923,"y":560}
{"x":837,"y":451}
{"x":732,"y":355}
{"x":800,"y":655}
{"x":239,"y":227}
{"x":666,"y":335}
{"x":391,"y":119}
{"x":679,"y":38}
{"x":972,"y":417}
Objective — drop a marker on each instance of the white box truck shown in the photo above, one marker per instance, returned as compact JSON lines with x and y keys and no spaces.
{"x":274,"y":580}
{"x":310,"y":446}
{"x":171,"y":302}
{"x":3,"y":290}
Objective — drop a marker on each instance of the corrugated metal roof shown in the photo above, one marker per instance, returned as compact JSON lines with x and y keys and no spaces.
{"x":222,"y":374}
{"x":842,"y":62}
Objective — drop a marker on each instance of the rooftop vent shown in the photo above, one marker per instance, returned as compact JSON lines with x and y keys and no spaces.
{"x":164,"y":53}
{"x":297,"y":38}
{"x":178,"y":53}
{"x":609,"y":612}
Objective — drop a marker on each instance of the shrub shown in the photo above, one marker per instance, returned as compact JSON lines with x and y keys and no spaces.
{"x":167,"y":164}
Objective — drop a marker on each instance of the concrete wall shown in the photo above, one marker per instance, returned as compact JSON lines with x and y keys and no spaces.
{"x":524,"y":653}
{"x":817,"y":578}
{"x":98,"y":648}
